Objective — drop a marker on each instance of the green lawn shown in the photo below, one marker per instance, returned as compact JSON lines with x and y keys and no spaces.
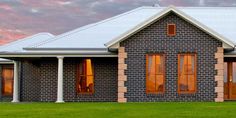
{"x":116,"y":110}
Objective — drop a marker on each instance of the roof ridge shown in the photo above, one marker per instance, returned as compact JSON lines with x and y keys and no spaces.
{"x":23,"y":39}
{"x":86,"y":27}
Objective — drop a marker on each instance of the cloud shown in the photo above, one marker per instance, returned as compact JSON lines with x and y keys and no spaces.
{"x":9,"y":35}
{"x":5,"y":7}
{"x":34,"y":10}
{"x":64,"y":3}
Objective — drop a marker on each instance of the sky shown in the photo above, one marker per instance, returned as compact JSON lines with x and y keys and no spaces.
{"x":22,"y":18}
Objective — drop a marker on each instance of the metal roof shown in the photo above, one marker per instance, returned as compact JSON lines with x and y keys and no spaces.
{"x":17,"y":46}
{"x":221,"y":20}
{"x":18,"y":49}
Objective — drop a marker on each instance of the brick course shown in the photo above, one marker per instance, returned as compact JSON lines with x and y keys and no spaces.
{"x":153,"y":39}
{"x":30,"y":83}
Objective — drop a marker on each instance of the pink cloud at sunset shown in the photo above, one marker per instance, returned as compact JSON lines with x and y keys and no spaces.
{"x":10,"y":35}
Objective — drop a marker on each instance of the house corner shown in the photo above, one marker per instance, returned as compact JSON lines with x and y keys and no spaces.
{"x":219,"y":78}
{"x":122,"y":78}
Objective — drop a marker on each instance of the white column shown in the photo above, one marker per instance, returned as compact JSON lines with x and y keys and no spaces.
{"x":16,"y":83}
{"x":60,"y":80}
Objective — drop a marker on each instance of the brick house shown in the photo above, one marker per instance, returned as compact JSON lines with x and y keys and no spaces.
{"x":148,"y":54}
{"x":7,"y":66}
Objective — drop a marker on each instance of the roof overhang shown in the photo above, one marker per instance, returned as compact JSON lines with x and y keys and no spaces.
{"x":5,"y":62}
{"x":66,"y":52}
{"x":58,"y":53}
{"x":113,"y":43}
{"x":54,"y":55}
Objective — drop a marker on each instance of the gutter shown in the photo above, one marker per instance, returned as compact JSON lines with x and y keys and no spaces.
{"x":9,"y":62}
{"x":228,"y":52}
{"x":59,"y":53}
{"x":66,"y":49}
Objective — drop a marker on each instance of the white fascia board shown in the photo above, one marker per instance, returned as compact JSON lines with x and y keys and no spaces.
{"x":226,"y":46}
{"x":10,"y":62}
{"x":115,"y":46}
{"x":231,"y":55}
{"x":55,"y":53}
{"x":162,"y":14}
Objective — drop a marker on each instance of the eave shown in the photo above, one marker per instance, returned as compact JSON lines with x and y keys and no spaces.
{"x":57,"y":53}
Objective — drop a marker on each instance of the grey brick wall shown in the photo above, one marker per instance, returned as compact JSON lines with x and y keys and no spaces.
{"x":105,"y":80}
{"x":48,"y":80}
{"x":29,"y":81}
{"x":153,"y":39}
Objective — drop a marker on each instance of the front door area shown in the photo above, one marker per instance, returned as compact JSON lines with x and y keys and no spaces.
{"x":230,"y":80}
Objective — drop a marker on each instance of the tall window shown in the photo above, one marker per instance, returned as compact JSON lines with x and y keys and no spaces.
{"x":155,"y":73}
{"x":187,"y":73}
{"x":85,"y":77}
{"x":7,"y":81}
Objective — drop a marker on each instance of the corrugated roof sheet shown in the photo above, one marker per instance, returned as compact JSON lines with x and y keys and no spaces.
{"x":221,"y":20}
{"x":17,"y":46}
{"x":97,"y":34}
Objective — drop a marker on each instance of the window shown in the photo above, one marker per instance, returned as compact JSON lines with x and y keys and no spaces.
{"x":85,"y":77}
{"x":155,"y":73}
{"x":7,"y":80}
{"x":187,"y":73}
{"x":171,"y":30}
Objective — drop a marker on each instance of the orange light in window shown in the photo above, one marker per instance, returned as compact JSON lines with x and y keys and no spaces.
{"x":85,"y":77}
{"x":155,"y":75}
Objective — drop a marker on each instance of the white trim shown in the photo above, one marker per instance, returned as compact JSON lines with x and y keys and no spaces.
{"x":6,"y":62}
{"x":16,"y":83}
{"x":225,"y":46}
{"x":60,"y":80}
{"x":230,"y":55}
{"x":115,"y":46}
{"x":162,"y":14}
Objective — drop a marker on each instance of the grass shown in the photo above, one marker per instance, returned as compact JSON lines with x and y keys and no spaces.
{"x":116,"y":110}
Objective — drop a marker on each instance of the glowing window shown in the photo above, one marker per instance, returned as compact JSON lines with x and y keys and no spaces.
{"x":85,"y":77}
{"x":155,"y":73}
{"x":7,"y":81}
{"x":187,"y":73}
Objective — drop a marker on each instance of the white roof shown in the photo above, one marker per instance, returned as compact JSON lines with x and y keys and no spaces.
{"x":97,"y":34}
{"x":221,"y":20}
{"x":17,"y":46}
